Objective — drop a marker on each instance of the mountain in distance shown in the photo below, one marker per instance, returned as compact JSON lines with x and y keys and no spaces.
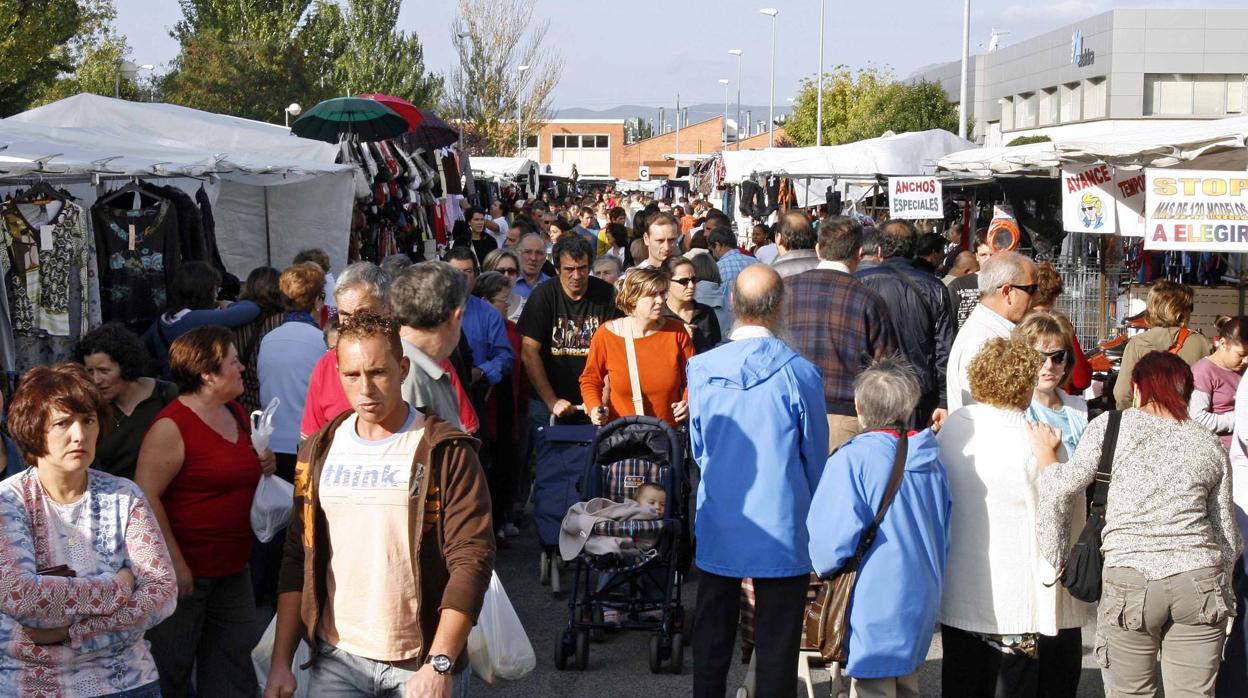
{"x":697,"y":112}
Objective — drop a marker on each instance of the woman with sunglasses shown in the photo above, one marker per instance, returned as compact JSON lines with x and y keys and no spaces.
{"x":506,"y":262}
{"x":1046,"y":333}
{"x":699,"y":319}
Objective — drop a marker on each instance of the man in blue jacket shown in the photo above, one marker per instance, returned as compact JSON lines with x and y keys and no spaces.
{"x":897,"y":595}
{"x":759,"y":434}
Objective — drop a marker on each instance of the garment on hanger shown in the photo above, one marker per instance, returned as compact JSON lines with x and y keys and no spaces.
{"x":139,"y":256}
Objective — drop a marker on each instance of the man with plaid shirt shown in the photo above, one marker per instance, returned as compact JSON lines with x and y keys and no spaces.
{"x":837,"y":323}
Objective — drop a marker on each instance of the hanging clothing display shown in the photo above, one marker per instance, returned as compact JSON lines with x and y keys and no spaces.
{"x":46,"y":261}
{"x":139,"y":255}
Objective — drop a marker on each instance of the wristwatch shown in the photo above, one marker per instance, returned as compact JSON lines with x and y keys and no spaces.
{"x":441,"y":663}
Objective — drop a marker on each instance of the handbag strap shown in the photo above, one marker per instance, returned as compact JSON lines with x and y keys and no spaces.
{"x":1180,"y":338}
{"x":1100,"y":490}
{"x":634,"y":377}
{"x":894,"y":484}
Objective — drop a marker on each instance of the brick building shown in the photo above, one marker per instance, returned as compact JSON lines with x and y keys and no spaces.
{"x":702,"y":137}
{"x":595,"y":146}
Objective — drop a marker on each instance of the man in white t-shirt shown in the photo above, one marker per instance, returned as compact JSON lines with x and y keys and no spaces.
{"x":391,"y":533}
{"x":501,"y":226}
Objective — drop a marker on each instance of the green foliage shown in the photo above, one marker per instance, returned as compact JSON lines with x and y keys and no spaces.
{"x":1027,"y":140}
{"x":94,"y":54}
{"x":252,"y":58}
{"x":33,"y":47}
{"x":867,"y":104}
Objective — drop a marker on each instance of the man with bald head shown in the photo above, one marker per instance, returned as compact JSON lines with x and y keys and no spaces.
{"x":758,"y":432}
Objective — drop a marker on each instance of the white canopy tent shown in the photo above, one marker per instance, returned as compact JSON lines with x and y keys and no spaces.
{"x":506,"y":170}
{"x":1219,"y":144}
{"x":273,"y":193}
{"x":901,"y":154}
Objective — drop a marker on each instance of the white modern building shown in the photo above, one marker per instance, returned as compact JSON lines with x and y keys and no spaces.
{"x":1089,"y":77}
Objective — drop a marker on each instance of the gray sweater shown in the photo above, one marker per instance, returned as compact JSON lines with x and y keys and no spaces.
{"x":1169,"y":508}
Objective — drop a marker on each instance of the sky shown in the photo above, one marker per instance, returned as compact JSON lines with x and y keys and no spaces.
{"x":615,"y":54}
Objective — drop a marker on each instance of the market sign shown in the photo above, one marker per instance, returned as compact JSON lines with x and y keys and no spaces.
{"x":1196,"y":210}
{"x":1129,"y":195}
{"x":1088,"y":199}
{"x":915,"y":197}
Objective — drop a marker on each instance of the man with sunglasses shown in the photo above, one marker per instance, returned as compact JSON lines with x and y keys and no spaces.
{"x":1007,"y":283}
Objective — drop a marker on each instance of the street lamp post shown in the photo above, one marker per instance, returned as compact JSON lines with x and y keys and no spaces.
{"x":519,"y":120}
{"x":737,"y":52}
{"x":819,"y":84}
{"x":724,"y":82}
{"x":966,"y":57}
{"x":293,"y":110}
{"x":131,"y":70}
{"x":771,"y":101}
{"x":463,"y":92}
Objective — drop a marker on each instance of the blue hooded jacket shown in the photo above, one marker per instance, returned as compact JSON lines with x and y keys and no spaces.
{"x":759,"y":432}
{"x":897,"y":596}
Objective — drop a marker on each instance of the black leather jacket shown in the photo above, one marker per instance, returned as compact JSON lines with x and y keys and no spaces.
{"x":918,"y":306}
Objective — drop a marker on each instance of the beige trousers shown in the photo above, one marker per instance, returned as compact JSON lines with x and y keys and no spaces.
{"x":840,"y":430}
{"x":1182,"y":617}
{"x":894,"y":687}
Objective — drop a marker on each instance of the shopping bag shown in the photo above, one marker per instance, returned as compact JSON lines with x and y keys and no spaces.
{"x":498,"y":648}
{"x":270,"y":507}
{"x":262,"y":658}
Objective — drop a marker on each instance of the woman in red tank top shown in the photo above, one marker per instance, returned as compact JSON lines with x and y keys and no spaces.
{"x":199,"y":472}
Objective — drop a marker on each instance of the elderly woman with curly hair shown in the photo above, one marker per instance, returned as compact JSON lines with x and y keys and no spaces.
{"x":83,"y":566}
{"x":1007,"y":629}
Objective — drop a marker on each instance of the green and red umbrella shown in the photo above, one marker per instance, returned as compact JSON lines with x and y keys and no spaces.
{"x":366,"y":119}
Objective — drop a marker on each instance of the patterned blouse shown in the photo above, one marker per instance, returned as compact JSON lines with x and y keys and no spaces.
{"x":111,"y":526}
{"x":1169,"y":509}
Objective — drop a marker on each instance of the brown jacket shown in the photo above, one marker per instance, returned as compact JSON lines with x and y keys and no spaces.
{"x":449,"y":500}
{"x":1194,"y":349}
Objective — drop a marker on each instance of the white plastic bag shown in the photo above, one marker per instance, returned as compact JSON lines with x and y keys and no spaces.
{"x":270,"y":507}
{"x":262,"y":659}
{"x":498,"y":648}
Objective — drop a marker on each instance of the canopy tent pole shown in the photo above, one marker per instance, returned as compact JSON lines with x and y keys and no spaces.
{"x":268,"y":239}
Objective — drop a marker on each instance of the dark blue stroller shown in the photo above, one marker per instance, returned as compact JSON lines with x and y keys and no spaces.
{"x":645,"y":590}
{"x":561,"y":457}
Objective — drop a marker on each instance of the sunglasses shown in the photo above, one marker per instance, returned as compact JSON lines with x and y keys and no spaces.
{"x":1029,"y":289}
{"x":685,"y":281}
{"x":1059,"y":357}
{"x":509,"y":271}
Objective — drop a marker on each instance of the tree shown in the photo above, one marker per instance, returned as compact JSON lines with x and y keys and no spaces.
{"x":33,"y":36}
{"x":1028,"y":140}
{"x":493,"y":39}
{"x":95,"y":53}
{"x":868,"y":104}
{"x":381,"y":59}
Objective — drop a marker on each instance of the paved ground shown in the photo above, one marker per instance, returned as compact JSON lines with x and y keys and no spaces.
{"x":620,"y":666}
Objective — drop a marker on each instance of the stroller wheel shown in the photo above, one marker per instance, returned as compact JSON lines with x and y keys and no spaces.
{"x":677,"y":661}
{"x":543,"y":575}
{"x":596,"y":634}
{"x":582,"y":650}
{"x":656,"y":661}
{"x":563,"y":647}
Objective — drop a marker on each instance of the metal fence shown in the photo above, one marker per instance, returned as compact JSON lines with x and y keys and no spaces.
{"x":1093,"y":275}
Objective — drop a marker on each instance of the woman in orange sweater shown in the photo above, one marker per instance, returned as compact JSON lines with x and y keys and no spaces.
{"x":663,"y":348}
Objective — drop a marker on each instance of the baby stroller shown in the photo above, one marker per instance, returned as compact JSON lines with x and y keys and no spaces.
{"x":561,"y":456}
{"x":644,"y":588}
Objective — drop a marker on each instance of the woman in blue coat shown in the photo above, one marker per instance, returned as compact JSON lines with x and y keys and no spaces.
{"x":896,"y":600}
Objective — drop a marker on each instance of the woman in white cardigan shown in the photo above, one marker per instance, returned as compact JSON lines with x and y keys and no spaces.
{"x":1007,"y":629}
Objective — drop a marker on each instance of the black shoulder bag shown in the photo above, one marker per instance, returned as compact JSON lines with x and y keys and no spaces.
{"x":1084,"y":564}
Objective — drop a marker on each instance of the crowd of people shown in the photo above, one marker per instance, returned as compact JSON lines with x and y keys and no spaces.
{"x":409,"y":402}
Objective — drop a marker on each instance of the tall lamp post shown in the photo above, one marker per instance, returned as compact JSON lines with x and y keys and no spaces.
{"x":130,"y":70}
{"x":463,"y":91}
{"x":771,"y":101}
{"x":966,"y":57}
{"x":819,"y":84}
{"x":293,"y":110}
{"x":724,"y":82}
{"x":519,"y":121}
{"x":737,"y":52}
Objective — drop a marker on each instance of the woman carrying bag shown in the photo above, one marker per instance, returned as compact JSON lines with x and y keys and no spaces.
{"x":657,"y":348}
{"x":1169,"y":540}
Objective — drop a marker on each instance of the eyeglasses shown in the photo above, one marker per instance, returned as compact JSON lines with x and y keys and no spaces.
{"x":1059,"y":357}
{"x":1029,"y":289}
{"x":685,"y":281}
{"x":509,"y":271}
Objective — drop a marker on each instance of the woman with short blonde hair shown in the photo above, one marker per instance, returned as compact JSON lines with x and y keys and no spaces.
{"x":1044,"y":331}
{"x":662,"y":350}
{"x":1004,"y":623}
{"x":1169,"y":310}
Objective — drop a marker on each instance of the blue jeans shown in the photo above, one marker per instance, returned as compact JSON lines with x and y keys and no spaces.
{"x":151,"y":690}
{"x":340,"y":674}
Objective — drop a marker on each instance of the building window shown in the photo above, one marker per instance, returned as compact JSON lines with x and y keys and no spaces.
{"x":1186,"y":94}
{"x":1094,"y":98}
{"x":1025,"y":116}
{"x":530,"y":141}
{"x":1007,"y":114}
{"x":602,"y":142}
{"x":556,"y":141}
{"x":580,"y":141}
{"x":1071,"y":109}
{"x":1049,"y":105}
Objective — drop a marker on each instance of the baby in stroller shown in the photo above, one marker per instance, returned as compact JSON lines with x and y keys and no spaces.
{"x":649,"y":494}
